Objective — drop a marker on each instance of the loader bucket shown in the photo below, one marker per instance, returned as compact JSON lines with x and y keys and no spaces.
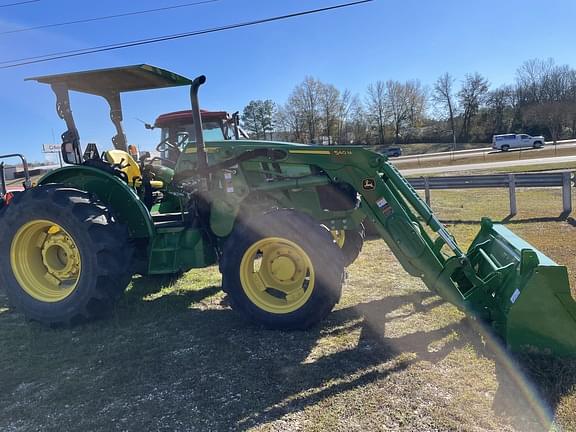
{"x":532,"y":308}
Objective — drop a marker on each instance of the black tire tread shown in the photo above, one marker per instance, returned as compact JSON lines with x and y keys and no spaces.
{"x":352,"y":246}
{"x":321,"y":248}
{"x":108,"y":241}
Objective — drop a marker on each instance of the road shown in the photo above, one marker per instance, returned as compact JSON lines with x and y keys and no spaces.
{"x":488,"y":165}
{"x":565,"y":144}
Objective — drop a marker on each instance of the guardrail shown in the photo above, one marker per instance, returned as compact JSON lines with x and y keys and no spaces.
{"x":510,"y":181}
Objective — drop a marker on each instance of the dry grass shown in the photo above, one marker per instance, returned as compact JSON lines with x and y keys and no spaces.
{"x":391,"y":356}
{"x":423,"y":148}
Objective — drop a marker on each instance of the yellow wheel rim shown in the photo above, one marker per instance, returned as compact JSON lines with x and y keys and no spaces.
{"x":45,"y":261}
{"x":277,"y":275}
{"x":339,"y":237}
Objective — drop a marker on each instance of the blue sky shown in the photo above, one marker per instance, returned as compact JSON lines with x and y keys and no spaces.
{"x":350,"y":48}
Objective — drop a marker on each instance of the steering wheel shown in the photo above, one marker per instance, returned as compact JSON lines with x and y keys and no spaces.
{"x":168,"y":143}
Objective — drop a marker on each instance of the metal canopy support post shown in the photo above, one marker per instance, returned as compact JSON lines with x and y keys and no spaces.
{"x":566,"y":193}
{"x":512,"y":191}
{"x":3,"y":188}
{"x":70,"y":137}
{"x":118,"y":140}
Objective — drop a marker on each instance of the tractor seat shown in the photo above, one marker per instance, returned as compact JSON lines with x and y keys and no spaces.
{"x":126,"y":163}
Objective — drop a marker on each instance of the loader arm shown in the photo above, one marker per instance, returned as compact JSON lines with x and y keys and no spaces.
{"x":502,"y":280}
{"x":400,"y":217}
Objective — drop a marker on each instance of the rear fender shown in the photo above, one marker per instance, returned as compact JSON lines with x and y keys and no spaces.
{"x":112,"y":191}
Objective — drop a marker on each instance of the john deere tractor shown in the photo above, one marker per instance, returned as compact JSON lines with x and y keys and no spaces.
{"x":281,"y":220}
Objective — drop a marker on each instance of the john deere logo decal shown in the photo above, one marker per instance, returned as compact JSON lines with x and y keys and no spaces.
{"x":368,"y":184}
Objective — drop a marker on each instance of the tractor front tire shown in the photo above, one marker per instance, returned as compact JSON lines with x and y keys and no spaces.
{"x":64,"y":259}
{"x":350,"y":242}
{"x":282,"y":270}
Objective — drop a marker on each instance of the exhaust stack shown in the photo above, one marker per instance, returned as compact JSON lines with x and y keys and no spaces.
{"x":197,"y":117}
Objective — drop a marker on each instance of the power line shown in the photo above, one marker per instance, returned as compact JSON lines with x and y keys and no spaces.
{"x":18,"y":3}
{"x":111,"y":47}
{"x":107,"y":17}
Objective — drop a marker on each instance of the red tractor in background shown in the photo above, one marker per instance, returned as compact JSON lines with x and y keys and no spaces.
{"x":178,"y":127}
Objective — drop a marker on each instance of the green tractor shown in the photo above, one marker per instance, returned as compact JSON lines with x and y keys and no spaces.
{"x":281,"y":220}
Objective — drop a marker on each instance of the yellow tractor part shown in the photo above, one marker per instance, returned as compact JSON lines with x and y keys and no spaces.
{"x":45,"y":261}
{"x":339,"y":237}
{"x":130,"y":167}
{"x":277,"y":275}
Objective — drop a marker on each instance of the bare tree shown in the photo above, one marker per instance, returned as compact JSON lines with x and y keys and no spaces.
{"x":552,"y":115}
{"x":547,"y":96}
{"x":376,"y":104}
{"x":290,"y":122}
{"x":443,"y":95}
{"x":500,"y":106}
{"x":530,"y":77}
{"x":305,"y":99}
{"x":416,"y":98}
{"x":360,"y":127}
{"x":397,"y":106}
{"x":329,"y":100}
{"x":344,"y":108}
{"x":543,"y":100}
{"x":471,"y":96}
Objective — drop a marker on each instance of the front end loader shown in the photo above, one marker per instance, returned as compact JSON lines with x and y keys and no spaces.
{"x":281,"y":220}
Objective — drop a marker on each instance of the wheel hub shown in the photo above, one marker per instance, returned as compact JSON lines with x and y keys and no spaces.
{"x":45,"y":261}
{"x":283,"y":268}
{"x":60,"y":256}
{"x":277,"y":275}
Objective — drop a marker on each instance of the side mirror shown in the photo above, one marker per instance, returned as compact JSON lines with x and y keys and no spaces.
{"x":71,"y":153}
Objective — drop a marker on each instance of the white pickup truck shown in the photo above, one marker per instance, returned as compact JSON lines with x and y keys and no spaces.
{"x":510,"y":141}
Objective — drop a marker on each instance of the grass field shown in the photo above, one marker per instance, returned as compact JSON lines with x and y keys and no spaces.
{"x":390,"y":357}
{"x":423,"y":148}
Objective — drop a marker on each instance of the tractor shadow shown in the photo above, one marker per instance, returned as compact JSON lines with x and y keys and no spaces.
{"x":185,"y":358}
{"x":531,"y":387}
{"x":375,"y":357}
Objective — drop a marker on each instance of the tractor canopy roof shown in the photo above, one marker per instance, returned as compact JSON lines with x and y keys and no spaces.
{"x":116,"y":80}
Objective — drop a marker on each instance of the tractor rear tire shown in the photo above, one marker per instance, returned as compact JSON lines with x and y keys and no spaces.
{"x":64,"y":259}
{"x":282,"y":270}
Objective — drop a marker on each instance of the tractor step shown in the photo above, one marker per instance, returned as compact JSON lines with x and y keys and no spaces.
{"x":170,"y":220}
